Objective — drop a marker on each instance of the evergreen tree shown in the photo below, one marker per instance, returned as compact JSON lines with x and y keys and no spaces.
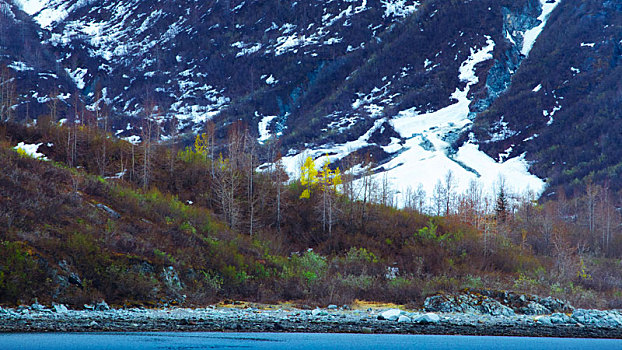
{"x":502,"y":206}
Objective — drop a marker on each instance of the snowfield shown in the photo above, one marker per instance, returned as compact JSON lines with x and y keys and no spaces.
{"x":427,"y":156}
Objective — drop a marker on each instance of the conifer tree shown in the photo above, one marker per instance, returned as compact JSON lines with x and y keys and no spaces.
{"x":501,"y":207}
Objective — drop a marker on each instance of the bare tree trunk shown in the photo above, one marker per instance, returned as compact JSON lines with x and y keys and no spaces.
{"x":251,"y":184}
{"x":173,"y":154}
{"x":591,"y":194}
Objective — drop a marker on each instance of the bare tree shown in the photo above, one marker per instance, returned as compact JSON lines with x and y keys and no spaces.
{"x":210,"y":130}
{"x":449,"y":189}
{"x":228,"y":175}
{"x":591,"y":195}
{"x":438,"y":197}
{"x":226,"y":184}
{"x":279,"y":178}
{"x":174,"y":132}
{"x":101,"y":114}
{"x":250,"y":153}
{"x":53,"y":105}
{"x":7,"y":93}
{"x":149,"y":124}
{"x":607,"y":217}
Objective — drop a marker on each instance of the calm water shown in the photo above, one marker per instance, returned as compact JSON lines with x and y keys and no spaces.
{"x":187,"y":341}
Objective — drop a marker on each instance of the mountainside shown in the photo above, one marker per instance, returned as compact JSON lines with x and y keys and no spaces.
{"x":419,"y":87}
{"x":566,"y":98}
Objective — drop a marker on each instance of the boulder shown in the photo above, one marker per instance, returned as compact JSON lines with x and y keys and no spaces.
{"x":496,"y":303}
{"x":404,"y":319}
{"x":102,"y":306}
{"x":544,"y":320}
{"x":427,"y":318}
{"x":556,"y":305}
{"x":467,"y":303}
{"x":534,"y":308}
{"x":318,"y":312}
{"x":113,"y":214}
{"x":559,"y":318}
{"x":598,"y":318}
{"x":37,"y":307}
{"x":60,"y":308}
{"x":391,"y":315}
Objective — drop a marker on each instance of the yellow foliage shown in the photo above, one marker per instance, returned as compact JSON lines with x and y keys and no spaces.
{"x":327,"y":178}
{"x":21,"y":152}
{"x":224,"y":164}
{"x":201,"y":144}
{"x":336,"y":180}
{"x":582,"y":273}
{"x":330,"y":178}
{"x":308,"y":177}
{"x":308,"y":174}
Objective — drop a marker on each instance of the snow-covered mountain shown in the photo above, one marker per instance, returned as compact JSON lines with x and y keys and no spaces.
{"x":420,"y":87}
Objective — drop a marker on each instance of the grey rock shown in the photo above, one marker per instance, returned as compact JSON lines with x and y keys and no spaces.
{"x":60,"y":308}
{"x":545,"y":321}
{"x":467,"y":303}
{"x":404,"y":319}
{"x":332,"y":307}
{"x":556,"y":305}
{"x":37,"y":307}
{"x":319,"y":312}
{"x":559,"y":318}
{"x":391,"y":315}
{"x":108,"y":210}
{"x":534,"y":308}
{"x":427,"y":318}
{"x":171,"y":279}
{"x":102,"y":306}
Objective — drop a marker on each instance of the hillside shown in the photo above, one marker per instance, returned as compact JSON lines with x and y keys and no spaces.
{"x":319,"y":151}
{"x":71,"y":236}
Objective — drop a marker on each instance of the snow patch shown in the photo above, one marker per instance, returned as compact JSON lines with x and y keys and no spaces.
{"x":399,"y":8}
{"x":270,"y":80}
{"x":293,"y":162}
{"x":427,"y":156}
{"x":134,"y":139}
{"x":31,"y":150}
{"x":20,"y":66}
{"x":77,"y":76}
{"x":31,"y":6}
{"x":246,"y":49}
{"x":532,"y":34}
{"x":264,"y":128}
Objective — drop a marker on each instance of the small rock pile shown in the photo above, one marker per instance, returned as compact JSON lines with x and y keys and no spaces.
{"x":496,"y":303}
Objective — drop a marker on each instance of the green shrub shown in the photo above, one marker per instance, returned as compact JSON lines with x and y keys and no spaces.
{"x":21,"y":277}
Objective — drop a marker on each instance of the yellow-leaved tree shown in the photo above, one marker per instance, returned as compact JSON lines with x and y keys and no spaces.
{"x":328,"y":181}
{"x":308,"y":177}
{"x":201,"y":144}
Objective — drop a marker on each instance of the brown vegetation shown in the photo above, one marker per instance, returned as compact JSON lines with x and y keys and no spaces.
{"x":207,"y":226}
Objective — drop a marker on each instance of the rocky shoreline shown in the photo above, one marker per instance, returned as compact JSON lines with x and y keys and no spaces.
{"x":101,"y":318}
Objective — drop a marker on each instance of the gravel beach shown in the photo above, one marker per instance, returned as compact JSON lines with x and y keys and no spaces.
{"x":275,"y":318}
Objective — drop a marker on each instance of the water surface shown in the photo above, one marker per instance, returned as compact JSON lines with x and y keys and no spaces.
{"x":300,"y":341}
